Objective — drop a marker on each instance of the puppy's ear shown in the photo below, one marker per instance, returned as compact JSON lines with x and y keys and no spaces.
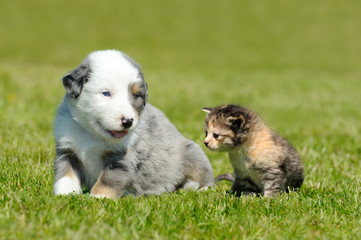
{"x":146,"y":90}
{"x":207,"y":110}
{"x":74,"y":81}
{"x":146,"y":93}
{"x":238,"y":121}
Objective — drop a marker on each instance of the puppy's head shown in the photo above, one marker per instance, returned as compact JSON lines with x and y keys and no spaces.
{"x":107,"y":94}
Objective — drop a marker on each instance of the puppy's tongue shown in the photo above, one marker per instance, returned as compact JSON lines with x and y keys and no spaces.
{"x":119,"y":134}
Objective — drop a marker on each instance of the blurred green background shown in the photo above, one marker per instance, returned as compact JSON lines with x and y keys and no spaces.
{"x":219,"y":35}
{"x":255,"y":52}
{"x":297,"y":63}
{"x":312,"y":35}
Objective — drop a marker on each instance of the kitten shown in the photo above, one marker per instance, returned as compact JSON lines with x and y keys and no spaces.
{"x":264,"y":163}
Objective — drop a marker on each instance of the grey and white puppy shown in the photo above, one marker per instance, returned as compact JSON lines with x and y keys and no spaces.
{"x":110,"y":140}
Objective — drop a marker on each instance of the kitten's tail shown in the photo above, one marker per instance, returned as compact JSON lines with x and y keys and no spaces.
{"x":225,"y":176}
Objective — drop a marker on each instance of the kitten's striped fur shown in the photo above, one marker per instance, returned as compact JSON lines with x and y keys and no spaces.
{"x":264,"y":163}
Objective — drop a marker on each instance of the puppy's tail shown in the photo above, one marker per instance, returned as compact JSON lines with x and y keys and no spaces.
{"x":225,"y":176}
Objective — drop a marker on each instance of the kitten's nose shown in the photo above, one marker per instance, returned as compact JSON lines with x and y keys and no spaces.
{"x":127,"y":122}
{"x":206,"y":143}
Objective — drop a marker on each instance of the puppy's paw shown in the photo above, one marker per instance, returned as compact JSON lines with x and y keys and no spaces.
{"x":101,"y":191}
{"x":189,"y":184}
{"x":67,"y":185}
{"x":205,"y":188}
{"x":100,"y":196}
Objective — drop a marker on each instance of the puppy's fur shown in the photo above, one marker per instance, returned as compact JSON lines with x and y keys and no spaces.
{"x":110,"y":140}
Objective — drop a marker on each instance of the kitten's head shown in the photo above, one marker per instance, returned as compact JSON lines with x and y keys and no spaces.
{"x":227,"y":127}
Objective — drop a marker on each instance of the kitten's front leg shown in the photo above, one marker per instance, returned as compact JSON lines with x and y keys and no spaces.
{"x":273,"y":183}
{"x":244,"y":185}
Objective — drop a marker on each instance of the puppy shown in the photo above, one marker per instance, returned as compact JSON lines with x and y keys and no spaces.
{"x":111,"y":141}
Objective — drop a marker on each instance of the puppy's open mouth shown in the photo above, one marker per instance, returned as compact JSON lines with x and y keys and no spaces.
{"x":115,"y":134}
{"x":118,"y":134}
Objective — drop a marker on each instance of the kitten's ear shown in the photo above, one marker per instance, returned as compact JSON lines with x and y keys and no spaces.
{"x":207,"y":110}
{"x":238,"y":121}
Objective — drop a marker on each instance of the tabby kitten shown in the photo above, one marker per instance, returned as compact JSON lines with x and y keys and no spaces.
{"x":264,"y":163}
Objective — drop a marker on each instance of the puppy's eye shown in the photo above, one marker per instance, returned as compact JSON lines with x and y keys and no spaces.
{"x":106,"y":93}
{"x":216,"y":136}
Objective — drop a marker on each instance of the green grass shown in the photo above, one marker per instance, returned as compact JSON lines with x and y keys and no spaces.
{"x":297,"y":63}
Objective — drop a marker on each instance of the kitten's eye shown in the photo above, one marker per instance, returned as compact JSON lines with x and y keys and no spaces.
{"x":106,"y":93}
{"x":215,"y":135}
{"x":206,"y":133}
{"x":136,"y":95}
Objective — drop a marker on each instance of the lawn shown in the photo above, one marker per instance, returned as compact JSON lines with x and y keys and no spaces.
{"x":296,"y":63}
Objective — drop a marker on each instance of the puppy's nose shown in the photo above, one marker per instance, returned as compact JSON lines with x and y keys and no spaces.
{"x":127,"y":122}
{"x":206,"y":143}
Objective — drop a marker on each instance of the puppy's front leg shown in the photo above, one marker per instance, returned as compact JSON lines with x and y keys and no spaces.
{"x":67,"y":172}
{"x":111,"y":183}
